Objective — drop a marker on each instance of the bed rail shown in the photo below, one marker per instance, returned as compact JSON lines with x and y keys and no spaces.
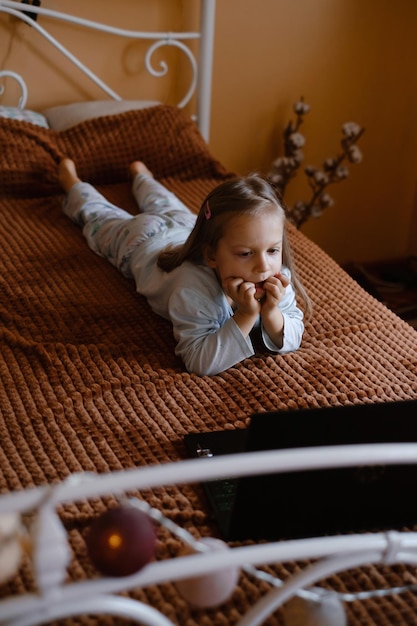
{"x":201,"y":67}
{"x":331,"y":554}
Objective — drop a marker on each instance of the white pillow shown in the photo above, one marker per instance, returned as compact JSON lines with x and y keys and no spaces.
{"x":67,"y":115}
{"x":24,"y":115}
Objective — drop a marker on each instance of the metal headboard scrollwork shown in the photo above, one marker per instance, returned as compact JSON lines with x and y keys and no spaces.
{"x":201,"y":68}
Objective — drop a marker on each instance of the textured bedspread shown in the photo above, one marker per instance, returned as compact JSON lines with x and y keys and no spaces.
{"x":88,"y":376}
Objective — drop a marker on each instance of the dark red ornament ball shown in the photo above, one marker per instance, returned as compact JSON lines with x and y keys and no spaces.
{"x":121,"y":541}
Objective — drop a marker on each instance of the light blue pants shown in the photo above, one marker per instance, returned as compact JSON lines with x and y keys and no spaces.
{"x":114,"y":233}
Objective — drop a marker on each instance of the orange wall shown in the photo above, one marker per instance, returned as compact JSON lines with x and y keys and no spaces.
{"x":352,"y":60}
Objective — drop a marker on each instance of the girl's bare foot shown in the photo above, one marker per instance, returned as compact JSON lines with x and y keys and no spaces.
{"x":137,"y":167}
{"x":67,"y":174}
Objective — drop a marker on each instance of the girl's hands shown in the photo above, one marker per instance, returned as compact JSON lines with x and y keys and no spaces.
{"x":272,"y":318}
{"x":274,"y":287}
{"x":243,"y":295}
{"x":251,"y":300}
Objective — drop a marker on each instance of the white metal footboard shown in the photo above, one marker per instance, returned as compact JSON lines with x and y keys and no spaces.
{"x":333,"y":554}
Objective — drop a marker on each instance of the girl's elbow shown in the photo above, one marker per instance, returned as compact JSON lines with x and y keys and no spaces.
{"x":202,"y":369}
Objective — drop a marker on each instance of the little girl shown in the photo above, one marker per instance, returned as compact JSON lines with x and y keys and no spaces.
{"x":223,"y":278}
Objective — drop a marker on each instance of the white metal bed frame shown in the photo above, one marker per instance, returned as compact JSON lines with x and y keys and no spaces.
{"x":56,"y":600}
{"x":201,"y":69}
{"x":332,"y":554}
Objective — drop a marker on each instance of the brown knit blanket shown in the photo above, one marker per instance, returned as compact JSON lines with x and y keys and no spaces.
{"x":88,"y":376}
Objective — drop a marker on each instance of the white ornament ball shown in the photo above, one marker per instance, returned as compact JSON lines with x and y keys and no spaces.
{"x":10,"y":545}
{"x":329,"y":611}
{"x":212,"y":589}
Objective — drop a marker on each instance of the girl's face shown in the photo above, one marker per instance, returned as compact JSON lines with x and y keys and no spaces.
{"x":251,"y":248}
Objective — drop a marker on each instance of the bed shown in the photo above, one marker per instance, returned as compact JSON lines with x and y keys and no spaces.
{"x":94,"y":405}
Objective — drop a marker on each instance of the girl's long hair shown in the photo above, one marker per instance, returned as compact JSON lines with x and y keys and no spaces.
{"x":250,"y":195}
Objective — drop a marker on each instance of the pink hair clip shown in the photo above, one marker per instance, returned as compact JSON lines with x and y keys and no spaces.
{"x":207,"y":211}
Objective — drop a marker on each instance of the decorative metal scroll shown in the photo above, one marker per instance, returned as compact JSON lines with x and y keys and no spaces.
{"x":22,"y":85}
{"x":200,"y":79}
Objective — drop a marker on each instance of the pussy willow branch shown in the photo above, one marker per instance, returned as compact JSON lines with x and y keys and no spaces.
{"x":285,"y":168}
{"x":330,"y":178}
